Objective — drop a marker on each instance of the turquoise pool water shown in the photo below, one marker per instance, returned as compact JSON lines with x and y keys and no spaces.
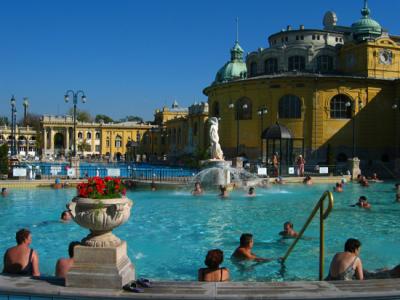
{"x":169,"y":232}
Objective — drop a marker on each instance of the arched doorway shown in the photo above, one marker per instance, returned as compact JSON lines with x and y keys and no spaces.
{"x":280,"y":141}
{"x":58,"y":143}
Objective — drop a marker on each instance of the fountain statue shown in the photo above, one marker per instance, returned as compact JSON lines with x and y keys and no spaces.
{"x":218,"y":171}
{"x":216,"y":151}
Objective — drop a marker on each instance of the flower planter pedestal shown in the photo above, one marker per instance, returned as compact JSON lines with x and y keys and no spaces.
{"x":100,"y":267}
{"x":101,"y":261}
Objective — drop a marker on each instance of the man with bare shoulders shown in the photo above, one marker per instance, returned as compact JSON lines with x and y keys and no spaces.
{"x":243,"y":252}
{"x":21,"y":259}
{"x":64,"y":264}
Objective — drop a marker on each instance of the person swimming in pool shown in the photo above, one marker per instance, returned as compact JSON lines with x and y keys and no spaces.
{"x":197,"y":189}
{"x":244,"y":251}
{"x":252,"y":192}
{"x":362,"y":202}
{"x":288,"y":231}
{"x":223,"y":192}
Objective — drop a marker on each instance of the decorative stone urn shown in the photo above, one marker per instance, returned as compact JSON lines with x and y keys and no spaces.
{"x":101,"y":261}
{"x":100,"y":216}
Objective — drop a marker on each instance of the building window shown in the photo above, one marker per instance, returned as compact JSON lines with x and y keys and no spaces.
{"x":313,"y":36}
{"x":297,"y":37}
{"x":174,"y":136}
{"x":118,"y":142}
{"x":286,"y":38}
{"x":339,"y":109}
{"x":195,"y":129}
{"x":324,"y":63}
{"x":302,"y":37}
{"x":297,"y":63}
{"x":97,"y":147}
{"x":108,"y":142}
{"x":271,"y":66}
{"x":318,"y":37}
{"x":179,"y":136}
{"x":80,"y":135}
{"x":97,"y":136}
{"x":89,"y":135}
{"x":253,"y":69}
{"x":243,"y":109}
{"x":290,"y":107}
{"x":215,"y":110}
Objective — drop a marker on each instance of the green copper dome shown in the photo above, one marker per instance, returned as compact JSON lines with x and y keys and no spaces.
{"x":366,"y":27}
{"x":234,"y":69}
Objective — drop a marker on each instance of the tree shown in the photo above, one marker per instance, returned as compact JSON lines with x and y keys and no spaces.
{"x":4,"y":159}
{"x":3,"y":121}
{"x":81,"y":115}
{"x":32,"y":120}
{"x":103,"y":118}
{"x":131,"y":119}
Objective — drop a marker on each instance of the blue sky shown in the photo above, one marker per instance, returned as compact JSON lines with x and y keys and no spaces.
{"x":131,"y":57}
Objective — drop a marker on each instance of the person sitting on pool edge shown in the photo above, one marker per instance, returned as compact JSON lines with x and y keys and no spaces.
{"x":63,"y":265}
{"x":21,"y":259}
{"x":213,"y":272}
{"x":197,"y":189}
{"x":347,"y":265}
{"x":362,"y":202}
{"x":252,"y":192}
{"x":243,"y":252}
{"x":4,"y":192}
{"x":288,"y":230}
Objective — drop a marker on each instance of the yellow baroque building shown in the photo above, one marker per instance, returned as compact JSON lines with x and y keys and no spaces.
{"x":92,"y":139}
{"x":329,"y":94}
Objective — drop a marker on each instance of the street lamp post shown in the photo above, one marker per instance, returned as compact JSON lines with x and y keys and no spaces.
{"x":261,"y":112}
{"x":13,"y":126}
{"x":243,"y":107}
{"x":396,"y":106}
{"x":75,"y":102}
{"x":25,"y":104}
{"x":352,"y":106}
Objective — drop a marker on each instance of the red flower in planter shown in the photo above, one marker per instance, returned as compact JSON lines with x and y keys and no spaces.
{"x":97,"y":188}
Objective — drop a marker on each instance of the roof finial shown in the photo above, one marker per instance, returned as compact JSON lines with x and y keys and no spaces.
{"x":365,"y":12}
{"x":237,"y":29}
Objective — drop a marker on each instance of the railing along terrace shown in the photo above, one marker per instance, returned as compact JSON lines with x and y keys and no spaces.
{"x":310,"y":170}
{"x":63,"y":170}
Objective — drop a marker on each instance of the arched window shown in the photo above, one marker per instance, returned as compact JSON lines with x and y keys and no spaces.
{"x":118,"y":141}
{"x":341,"y":107}
{"x":253,"y":69}
{"x":290,"y":107}
{"x":138,"y":136}
{"x":243,"y":109}
{"x":179,"y":136}
{"x":108,"y":142}
{"x":97,"y":136}
{"x":174,"y":136}
{"x":271,"y":66}
{"x":89,"y":135}
{"x":297,"y":63}
{"x":215,"y":110}
{"x":195,"y":129}
{"x":80,"y":135}
{"x":324,"y":63}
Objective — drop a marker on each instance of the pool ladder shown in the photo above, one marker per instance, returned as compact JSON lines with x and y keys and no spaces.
{"x":322,"y":216}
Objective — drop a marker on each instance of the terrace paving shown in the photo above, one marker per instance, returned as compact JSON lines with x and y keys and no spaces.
{"x":50,"y":287}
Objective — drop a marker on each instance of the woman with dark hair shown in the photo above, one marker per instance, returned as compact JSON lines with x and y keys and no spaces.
{"x":213,"y":272}
{"x":347,"y":265}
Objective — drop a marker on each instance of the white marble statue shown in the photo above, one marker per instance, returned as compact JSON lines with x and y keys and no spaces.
{"x":216,"y":151}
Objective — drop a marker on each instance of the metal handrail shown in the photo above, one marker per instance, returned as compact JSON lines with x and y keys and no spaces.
{"x":322,"y":216}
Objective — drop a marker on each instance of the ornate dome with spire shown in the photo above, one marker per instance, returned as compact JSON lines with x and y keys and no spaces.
{"x":235,"y":69}
{"x":366,"y":27}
